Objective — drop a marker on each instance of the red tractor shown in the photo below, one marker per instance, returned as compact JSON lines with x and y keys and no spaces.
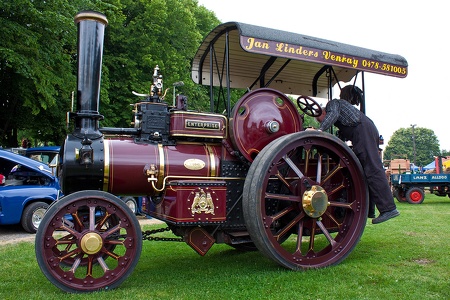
{"x":249,"y":176}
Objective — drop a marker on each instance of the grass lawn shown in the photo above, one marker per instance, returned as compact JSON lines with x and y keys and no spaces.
{"x":405,"y":258}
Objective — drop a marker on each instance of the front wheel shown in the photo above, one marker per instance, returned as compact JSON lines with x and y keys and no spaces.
{"x":305,"y":200}
{"x":88,"y":241}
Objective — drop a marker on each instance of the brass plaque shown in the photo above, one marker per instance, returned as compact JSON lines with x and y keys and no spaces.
{"x":194,"y":164}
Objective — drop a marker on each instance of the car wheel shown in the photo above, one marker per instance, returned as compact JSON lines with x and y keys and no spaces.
{"x":32,"y":216}
{"x":131,"y":203}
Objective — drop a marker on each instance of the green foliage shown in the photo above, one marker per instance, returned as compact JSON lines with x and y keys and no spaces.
{"x":38,"y":59}
{"x":35,"y":63}
{"x":401,"y":145}
{"x":311,"y":122}
{"x":308,"y":121}
{"x":37,"y":67}
{"x":445,"y":152}
{"x":145,"y":34}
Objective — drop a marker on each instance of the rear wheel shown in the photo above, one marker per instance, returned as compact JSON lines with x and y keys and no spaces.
{"x":88,"y":241}
{"x":305,"y":200}
{"x":400,"y":195}
{"x":415,"y":195}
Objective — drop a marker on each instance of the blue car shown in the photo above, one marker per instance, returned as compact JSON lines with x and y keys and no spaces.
{"x":27,"y":189}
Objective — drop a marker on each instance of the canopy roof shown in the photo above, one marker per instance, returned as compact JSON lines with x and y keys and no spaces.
{"x":430,"y":166}
{"x":289,"y":62}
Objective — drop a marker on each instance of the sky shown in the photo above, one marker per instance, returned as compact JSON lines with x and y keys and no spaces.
{"x":418,"y":31}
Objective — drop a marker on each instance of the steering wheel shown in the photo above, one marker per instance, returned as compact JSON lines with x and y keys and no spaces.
{"x":309,"y":106}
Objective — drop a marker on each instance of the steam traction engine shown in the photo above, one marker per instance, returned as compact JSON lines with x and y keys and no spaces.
{"x":251,"y":177}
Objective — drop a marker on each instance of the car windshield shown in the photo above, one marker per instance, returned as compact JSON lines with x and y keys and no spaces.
{"x":47,"y":155}
{"x":46,"y":158}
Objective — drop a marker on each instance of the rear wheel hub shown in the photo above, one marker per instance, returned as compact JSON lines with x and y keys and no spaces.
{"x":315,"y":201}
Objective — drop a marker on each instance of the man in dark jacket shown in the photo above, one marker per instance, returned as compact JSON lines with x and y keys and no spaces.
{"x":356,"y":127}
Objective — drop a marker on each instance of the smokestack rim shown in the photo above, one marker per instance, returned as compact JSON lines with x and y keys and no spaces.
{"x":91,"y":15}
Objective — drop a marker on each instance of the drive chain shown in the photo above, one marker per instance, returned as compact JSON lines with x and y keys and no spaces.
{"x":146,"y":235}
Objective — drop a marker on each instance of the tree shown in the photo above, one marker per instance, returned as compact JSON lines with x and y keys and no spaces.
{"x":401,"y":145}
{"x":38,"y":59}
{"x":37,"y":67}
{"x":145,"y":34}
{"x":35,"y":62}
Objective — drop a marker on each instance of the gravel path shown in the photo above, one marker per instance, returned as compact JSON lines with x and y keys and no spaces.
{"x":10,"y":234}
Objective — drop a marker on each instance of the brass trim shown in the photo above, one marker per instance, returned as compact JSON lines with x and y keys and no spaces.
{"x":91,"y":15}
{"x":212,"y":161}
{"x":211,"y":220}
{"x":315,"y":201}
{"x":176,"y":112}
{"x":91,"y":243}
{"x":106,"y":166}
{"x":222,"y":136}
{"x":162,"y":163}
{"x":203,"y":201}
{"x":192,"y":178}
{"x":198,"y":143}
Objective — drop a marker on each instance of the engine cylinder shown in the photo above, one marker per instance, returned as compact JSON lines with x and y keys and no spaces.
{"x":120,"y":165}
{"x":127,"y":162}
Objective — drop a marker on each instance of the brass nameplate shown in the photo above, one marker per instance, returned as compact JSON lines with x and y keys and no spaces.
{"x":203,"y":125}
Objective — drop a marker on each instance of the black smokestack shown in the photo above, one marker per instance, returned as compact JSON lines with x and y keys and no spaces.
{"x":91,"y":29}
